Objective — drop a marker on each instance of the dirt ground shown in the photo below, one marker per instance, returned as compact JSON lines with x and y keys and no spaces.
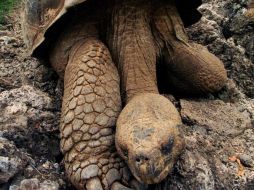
{"x":219,"y":128}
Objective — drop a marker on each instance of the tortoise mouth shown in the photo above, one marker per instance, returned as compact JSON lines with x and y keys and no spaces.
{"x":155,"y":178}
{"x":152,"y":176}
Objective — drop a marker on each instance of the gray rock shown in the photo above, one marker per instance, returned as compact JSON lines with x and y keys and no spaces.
{"x":215,"y":132}
{"x":228,"y":32}
{"x":35,"y":184}
{"x":246,"y":160}
{"x":21,"y":104}
{"x":217,"y":116}
{"x":12,"y":160}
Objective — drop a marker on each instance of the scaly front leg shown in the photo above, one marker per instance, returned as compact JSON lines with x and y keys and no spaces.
{"x":91,"y":105}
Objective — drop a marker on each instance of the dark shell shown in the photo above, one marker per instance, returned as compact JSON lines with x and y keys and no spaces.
{"x":39,"y":15}
{"x":188,"y":11}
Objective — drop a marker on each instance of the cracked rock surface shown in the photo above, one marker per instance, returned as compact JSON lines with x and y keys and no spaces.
{"x":218,"y":129}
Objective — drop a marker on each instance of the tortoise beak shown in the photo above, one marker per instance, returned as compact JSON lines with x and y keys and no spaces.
{"x":149,"y":173}
{"x":150,"y":168}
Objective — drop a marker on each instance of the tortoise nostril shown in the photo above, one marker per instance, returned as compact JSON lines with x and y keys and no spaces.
{"x":142,"y":159}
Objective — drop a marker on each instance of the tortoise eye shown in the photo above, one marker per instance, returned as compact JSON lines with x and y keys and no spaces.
{"x":167,"y":148}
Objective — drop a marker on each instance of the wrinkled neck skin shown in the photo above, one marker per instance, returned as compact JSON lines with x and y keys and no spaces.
{"x":135,"y":42}
{"x":132,"y":44}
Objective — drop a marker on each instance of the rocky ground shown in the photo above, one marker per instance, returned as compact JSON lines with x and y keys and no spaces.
{"x":219,"y":128}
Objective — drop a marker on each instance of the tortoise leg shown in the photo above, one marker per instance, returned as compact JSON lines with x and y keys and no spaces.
{"x":193,"y":70}
{"x":191,"y":67}
{"x":91,"y":105}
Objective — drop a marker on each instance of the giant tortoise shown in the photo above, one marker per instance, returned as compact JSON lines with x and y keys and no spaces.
{"x":107,"y":52}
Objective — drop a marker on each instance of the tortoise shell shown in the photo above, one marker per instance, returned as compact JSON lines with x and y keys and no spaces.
{"x":40,"y":15}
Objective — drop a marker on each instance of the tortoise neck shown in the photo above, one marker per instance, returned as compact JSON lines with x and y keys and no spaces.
{"x":132,"y":45}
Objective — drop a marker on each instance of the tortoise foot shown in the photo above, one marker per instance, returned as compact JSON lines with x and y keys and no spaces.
{"x":192,"y":69}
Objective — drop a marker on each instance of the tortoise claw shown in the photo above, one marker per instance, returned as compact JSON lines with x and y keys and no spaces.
{"x":119,"y":186}
{"x":94,"y":184}
{"x":137,"y":185}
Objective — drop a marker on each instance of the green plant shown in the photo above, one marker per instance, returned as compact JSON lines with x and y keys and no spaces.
{"x":5,"y":7}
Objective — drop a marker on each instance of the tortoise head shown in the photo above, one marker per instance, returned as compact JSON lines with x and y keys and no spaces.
{"x":147,"y":137}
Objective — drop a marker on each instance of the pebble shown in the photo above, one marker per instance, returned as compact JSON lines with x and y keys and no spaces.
{"x":246,"y":160}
